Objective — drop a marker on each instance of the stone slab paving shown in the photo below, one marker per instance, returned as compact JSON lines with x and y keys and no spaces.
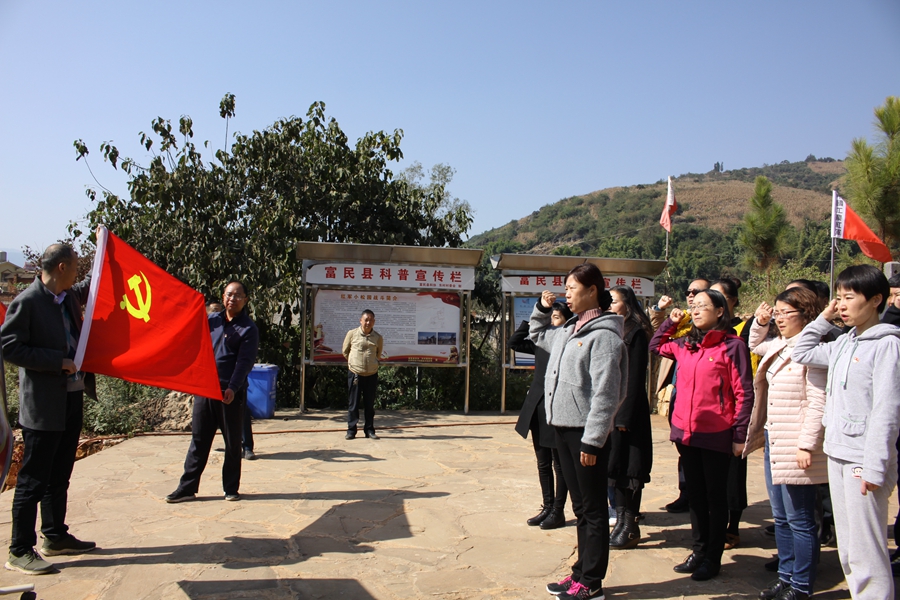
{"x":434,"y":509}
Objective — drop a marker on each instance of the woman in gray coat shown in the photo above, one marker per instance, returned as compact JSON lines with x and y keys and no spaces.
{"x":583,"y":389}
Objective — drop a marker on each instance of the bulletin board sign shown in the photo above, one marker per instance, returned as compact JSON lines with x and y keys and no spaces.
{"x":522,"y":308}
{"x":642,"y":286}
{"x":417,"y":327}
{"x":392,"y":276}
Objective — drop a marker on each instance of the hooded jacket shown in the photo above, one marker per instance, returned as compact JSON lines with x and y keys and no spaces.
{"x":587,"y":373}
{"x":714,"y":388}
{"x":862,"y":394}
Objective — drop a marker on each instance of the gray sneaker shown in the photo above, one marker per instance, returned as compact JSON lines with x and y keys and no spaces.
{"x":68,"y":545}
{"x":29,"y":563}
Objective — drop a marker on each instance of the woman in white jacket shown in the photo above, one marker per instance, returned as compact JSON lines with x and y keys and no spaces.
{"x":787,"y":420}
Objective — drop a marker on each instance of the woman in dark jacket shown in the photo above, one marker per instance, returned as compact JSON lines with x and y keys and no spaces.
{"x":533,"y":418}
{"x":631,"y":453}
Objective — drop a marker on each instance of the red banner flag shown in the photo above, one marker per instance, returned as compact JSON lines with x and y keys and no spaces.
{"x":669,"y":209}
{"x":143,"y":325}
{"x":847,"y":225}
{"x":2,"y":313}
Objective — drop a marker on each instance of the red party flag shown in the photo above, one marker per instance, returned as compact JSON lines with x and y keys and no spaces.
{"x":143,"y":325}
{"x":846,"y":225}
{"x":669,"y":209}
{"x":2,"y":313}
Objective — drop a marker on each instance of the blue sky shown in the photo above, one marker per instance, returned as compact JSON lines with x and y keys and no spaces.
{"x":530,"y":102}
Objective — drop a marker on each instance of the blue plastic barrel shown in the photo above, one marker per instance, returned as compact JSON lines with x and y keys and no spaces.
{"x":261,"y":391}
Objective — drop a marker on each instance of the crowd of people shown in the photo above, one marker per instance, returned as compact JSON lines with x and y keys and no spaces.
{"x":811,"y":380}
{"x":821,"y":400}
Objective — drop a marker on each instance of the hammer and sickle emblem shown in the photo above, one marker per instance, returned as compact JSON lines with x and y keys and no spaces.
{"x":143,"y":304}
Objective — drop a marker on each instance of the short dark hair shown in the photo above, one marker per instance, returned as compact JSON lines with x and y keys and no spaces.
{"x":588,"y":274}
{"x":240,"y":283}
{"x":55,"y":255}
{"x":820,"y":288}
{"x":367,"y":312}
{"x":731,"y":287}
{"x":803,"y":299}
{"x":894,"y":281}
{"x":866,"y":280}
{"x":562,"y":309}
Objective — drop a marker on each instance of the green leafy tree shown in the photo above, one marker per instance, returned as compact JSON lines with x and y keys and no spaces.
{"x":763,"y":231}
{"x":240,"y":214}
{"x":873,"y":174}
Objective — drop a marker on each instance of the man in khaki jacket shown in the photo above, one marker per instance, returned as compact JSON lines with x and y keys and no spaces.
{"x":362,"y":349}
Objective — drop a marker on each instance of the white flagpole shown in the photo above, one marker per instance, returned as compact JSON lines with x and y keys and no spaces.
{"x":834,"y":199}
{"x":96,"y":270}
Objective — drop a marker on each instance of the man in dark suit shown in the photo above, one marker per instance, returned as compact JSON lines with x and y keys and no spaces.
{"x":40,"y":335}
{"x":235,"y":340}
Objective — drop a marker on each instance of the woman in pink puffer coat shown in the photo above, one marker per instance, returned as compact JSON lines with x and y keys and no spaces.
{"x":787,"y":420}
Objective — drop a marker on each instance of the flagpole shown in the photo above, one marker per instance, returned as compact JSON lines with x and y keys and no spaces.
{"x":831,"y":287}
{"x":667,"y":246}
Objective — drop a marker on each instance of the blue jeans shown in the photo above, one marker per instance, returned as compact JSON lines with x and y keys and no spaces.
{"x":796,"y":532}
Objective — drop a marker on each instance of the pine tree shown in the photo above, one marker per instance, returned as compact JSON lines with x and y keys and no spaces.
{"x":873,"y":174}
{"x":763,"y":231}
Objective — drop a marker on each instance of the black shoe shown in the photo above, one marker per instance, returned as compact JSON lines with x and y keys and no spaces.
{"x":826,"y":536}
{"x":248,"y":454}
{"x":707,"y":570}
{"x":371,"y":435}
{"x":539,"y":518}
{"x":620,"y":523}
{"x":792,"y":594}
{"x":776,"y":588}
{"x":555,"y":520}
{"x":350,"y":435}
{"x":180,"y":496}
{"x":629,"y":535}
{"x":770,"y":530}
{"x":67,"y":545}
{"x":232,"y":497}
{"x":690,"y":564}
{"x":772,"y":566}
{"x":560,"y":588}
{"x":681,"y":505}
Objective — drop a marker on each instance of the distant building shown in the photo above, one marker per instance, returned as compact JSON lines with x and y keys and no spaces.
{"x":13,"y":277}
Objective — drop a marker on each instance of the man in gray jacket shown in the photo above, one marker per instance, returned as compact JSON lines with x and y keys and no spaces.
{"x":40,"y":335}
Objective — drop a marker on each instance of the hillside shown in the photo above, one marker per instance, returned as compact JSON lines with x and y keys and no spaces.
{"x":623,"y":222}
{"x":714,"y":200}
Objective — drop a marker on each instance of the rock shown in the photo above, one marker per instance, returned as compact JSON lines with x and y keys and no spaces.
{"x":169,"y":413}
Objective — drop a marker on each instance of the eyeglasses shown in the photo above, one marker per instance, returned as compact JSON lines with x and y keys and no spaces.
{"x":702,"y":307}
{"x":783,"y":313}
{"x":693,"y":292}
{"x":231,"y":295}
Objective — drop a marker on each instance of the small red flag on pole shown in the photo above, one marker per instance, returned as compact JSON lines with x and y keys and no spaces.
{"x":143,"y":325}
{"x":669,"y":209}
{"x":847,"y":225}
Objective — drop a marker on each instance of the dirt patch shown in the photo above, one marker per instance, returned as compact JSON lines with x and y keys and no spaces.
{"x":828,"y":168}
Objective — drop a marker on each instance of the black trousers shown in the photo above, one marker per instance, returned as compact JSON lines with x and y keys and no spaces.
{"x":548,"y":466}
{"x":587,"y":488}
{"x":247,"y":428}
{"x":47,"y":463}
{"x":361,"y":387}
{"x":706,"y":480}
{"x":209,"y":416}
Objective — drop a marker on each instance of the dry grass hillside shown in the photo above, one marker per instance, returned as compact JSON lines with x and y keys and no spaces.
{"x":719,"y":204}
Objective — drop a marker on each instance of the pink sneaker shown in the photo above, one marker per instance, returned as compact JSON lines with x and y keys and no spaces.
{"x":581,"y":592}
{"x":563,"y":586}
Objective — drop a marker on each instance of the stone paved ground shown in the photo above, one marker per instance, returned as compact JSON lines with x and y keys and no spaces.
{"x":426,"y":512}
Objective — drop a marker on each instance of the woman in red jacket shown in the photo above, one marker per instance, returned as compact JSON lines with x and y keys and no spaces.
{"x":714,"y":388}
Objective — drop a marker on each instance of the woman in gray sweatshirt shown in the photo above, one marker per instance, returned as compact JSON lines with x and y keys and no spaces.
{"x":862,"y":418}
{"x":583,"y":388}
